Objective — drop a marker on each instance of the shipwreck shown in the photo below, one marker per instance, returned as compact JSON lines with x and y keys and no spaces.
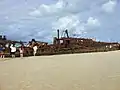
{"x":61,"y":45}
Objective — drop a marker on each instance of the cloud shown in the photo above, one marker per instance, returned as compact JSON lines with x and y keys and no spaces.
{"x":35,"y":12}
{"x":109,"y":6}
{"x":48,"y":9}
{"x":70,"y":22}
{"x":75,"y":25}
{"x":67,"y":22}
{"x":38,"y":20}
{"x":93,"y":22}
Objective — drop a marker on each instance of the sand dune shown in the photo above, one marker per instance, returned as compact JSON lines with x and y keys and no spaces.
{"x":94,"y":71}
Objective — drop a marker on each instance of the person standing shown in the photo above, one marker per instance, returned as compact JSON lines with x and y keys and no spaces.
{"x":13,"y":50}
{"x":35,"y":49}
{"x":2,"y":55}
{"x":21,"y":50}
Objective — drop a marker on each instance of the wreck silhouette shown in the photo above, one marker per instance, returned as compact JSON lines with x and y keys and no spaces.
{"x":61,"y":45}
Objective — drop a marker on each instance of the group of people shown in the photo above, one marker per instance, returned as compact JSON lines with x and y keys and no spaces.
{"x":13,"y":50}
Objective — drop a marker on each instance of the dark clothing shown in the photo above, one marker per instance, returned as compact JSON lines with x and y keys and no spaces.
{"x":1,"y":49}
{"x":13,"y":53}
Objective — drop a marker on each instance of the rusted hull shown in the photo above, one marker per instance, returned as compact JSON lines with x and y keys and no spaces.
{"x":65,"y":45}
{"x":52,"y":50}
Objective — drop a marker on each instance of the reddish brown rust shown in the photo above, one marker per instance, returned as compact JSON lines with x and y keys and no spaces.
{"x":62,"y":45}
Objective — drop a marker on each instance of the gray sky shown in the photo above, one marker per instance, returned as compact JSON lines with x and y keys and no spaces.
{"x":39,"y":19}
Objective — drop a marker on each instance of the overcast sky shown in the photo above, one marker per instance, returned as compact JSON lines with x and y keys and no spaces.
{"x":39,"y":19}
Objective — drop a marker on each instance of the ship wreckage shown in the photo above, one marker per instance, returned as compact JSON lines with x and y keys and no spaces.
{"x":61,"y":45}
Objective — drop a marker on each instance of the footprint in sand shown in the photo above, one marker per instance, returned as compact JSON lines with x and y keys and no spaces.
{"x":24,"y":85}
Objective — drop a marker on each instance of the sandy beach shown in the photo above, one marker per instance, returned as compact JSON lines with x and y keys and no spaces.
{"x":90,"y":71}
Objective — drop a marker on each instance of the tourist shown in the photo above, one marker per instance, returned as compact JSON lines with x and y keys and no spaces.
{"x":13,"y":50}
{"x":35,"y":49}
{"x":21,"y":50}
{"x":2,"y":55}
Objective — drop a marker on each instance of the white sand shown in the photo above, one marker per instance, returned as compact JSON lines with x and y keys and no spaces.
{"x":98,"y":71}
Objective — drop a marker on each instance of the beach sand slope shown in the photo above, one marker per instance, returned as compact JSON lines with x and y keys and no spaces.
{"x":91,"y":71}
